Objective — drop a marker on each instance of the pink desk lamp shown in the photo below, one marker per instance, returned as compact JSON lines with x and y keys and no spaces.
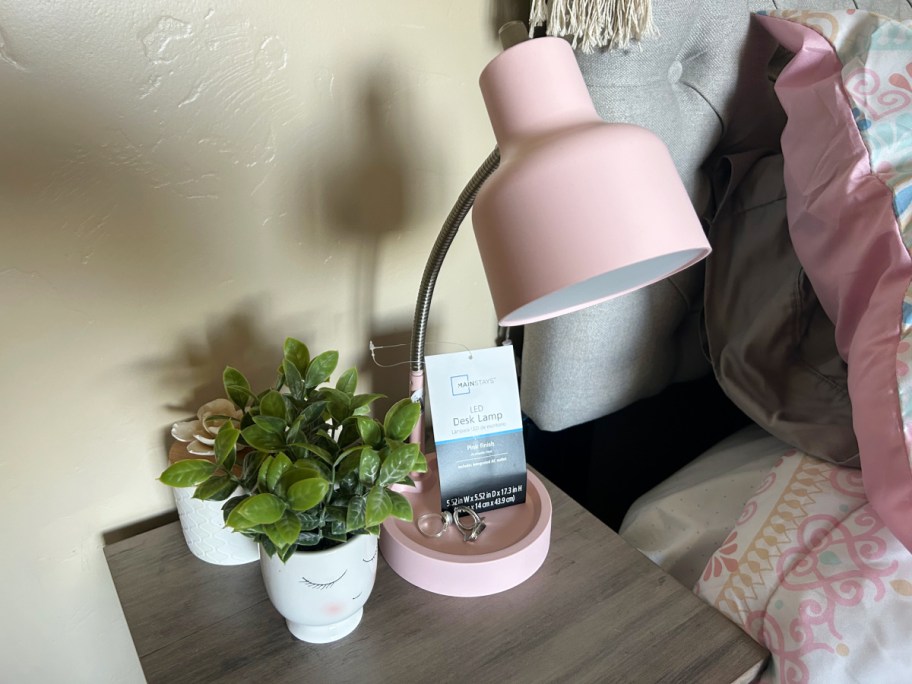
{"x":579,"y":211}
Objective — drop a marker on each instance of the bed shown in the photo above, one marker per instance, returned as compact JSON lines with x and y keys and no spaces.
{"x":778,"y":373}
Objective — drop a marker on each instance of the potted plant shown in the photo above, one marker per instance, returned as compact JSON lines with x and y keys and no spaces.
{"x":201,"y":521}
{"x":316,"y":472}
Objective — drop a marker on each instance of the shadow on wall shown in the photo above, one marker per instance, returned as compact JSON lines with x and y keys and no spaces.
{"x":237,"y":338}
{"x":502,"y":11}
{"x":363,"y":187}
{"x":366,"y":192}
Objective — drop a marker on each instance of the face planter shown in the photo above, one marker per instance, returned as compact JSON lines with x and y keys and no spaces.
{"x":321,"y":594}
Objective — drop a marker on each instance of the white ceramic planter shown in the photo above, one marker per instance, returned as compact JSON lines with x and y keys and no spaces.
{"x":321,"y":594}
{"x":206,"y":535}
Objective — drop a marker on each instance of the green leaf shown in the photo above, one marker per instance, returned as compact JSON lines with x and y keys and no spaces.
{"x":378,"y":506}
{"x":401,"y":419}
{"x":273,"y":404}
{"x":277,"y":468}
{"x":347,"y":452}
{"x":268,"y":547}
{"x":264,"y":471}
{"x":313,"y":413}
{"x":397,"y":464}
{"x":279,"y":379}
{"x":297,"y":353}
{"x":400,"y":506}
{"x":300,"y":470}
{"x":262,"y":439}
{"x":295,"y":431}
{"x":335,"y":531}
{"x":293,"y":379}
{"x":310,"y":520}
{"x":315,"y":450}
{"x":309,"y":466}
{"x":354,"y":518}
{"x":284,"y":531}
{"x":321,"y":368}
{"x":325,"y":469}
{"x":270,"y":424}
{"x":348,"y":435}
{"x":188,"y":473}
{"x":348,"y":382}
{"x":339,"y":403}
{"x":369,"y":429}
{"x":310,"y":538}
{"x":306,"y":494}
{"x":216,"y":488}
{"x":335,"y":513}
{"x":262,"y":509}
{"x":349,"y":485}
{"x":368,"y":466}
{"x":231,"y":504}
{"x":420,"y":464}
{"x":285,"y":554}
{"x":252,"y":462}
{"x":349,"y":463}
{"x":226,"y":444}
{"x":362,"y":400}
{"x":236,"y":387}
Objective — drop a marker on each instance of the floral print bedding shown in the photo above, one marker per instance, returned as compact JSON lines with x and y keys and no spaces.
{"x":811,"y":572}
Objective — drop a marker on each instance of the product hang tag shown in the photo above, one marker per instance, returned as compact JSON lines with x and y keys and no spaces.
{"x":474,"y":405}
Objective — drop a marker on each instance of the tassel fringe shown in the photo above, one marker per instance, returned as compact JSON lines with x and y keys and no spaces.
{"x":594,"y":24}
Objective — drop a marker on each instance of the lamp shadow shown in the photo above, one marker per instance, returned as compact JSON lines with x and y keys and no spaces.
{"x":364,"y":189}
{"x":360,"y":187}
{"x":503,"y":11}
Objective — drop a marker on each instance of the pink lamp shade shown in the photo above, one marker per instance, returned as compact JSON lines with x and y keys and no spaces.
{"x":579,"y":210}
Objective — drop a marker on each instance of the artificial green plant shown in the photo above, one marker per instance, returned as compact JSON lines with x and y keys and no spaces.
{"x":314,"y":466}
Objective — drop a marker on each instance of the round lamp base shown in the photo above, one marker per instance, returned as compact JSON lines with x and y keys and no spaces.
{"x":509,"y":551}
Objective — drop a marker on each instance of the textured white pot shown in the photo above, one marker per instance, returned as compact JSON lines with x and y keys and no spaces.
{"x":205,"y":533}
{"x":321,"y":594}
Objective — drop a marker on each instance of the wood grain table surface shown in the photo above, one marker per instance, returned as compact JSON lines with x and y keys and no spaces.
{"x":596,"y":611}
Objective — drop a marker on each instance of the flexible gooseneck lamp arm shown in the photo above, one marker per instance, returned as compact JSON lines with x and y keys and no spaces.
{"x":429,"y":279}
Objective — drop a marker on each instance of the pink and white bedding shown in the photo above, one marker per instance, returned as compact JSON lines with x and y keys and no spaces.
{"x":818,"y":567}
{"x":812,"y":572}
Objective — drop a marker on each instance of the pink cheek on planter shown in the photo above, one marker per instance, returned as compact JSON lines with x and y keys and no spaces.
{"x":333,"y":608}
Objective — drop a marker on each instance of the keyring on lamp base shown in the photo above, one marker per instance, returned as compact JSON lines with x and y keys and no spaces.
{"x":424,"y":523}
{"x":470,"y":533}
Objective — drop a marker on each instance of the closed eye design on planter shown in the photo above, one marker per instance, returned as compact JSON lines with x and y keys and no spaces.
{"x":371,"y":559}
{"x":322,"y":585}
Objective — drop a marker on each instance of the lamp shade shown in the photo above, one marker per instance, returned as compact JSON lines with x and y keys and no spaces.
{"x":579,"y":210}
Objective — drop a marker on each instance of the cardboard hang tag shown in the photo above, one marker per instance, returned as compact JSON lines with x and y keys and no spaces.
{"x":474,"y":405}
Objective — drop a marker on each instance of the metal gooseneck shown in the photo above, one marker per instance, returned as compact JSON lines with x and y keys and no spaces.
{"x":444,"y":239}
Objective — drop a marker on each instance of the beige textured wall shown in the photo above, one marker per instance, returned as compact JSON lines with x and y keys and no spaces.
{"x":182,"y":185}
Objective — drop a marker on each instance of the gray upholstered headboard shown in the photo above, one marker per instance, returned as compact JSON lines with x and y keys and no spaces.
{"x":688,"y":85}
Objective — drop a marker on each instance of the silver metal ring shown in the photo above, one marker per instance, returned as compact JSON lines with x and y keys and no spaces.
{"x":472,"y":535}
{"x":465,"y":510}
{"x":423,"y":524}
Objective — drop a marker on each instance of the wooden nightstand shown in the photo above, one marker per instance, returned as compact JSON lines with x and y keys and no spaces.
{"x":597,"y":611}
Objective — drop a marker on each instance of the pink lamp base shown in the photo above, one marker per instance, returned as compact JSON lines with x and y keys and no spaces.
{"x":509,"y":551}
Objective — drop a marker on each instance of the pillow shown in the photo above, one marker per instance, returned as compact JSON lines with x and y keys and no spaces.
{"x":812,"y":573}
{"x":771,"y":345}
{"x":847,"y":93}
{"x":679,"y":523}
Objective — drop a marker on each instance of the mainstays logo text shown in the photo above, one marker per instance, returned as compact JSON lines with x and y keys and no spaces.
{"x":462,"y":384}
